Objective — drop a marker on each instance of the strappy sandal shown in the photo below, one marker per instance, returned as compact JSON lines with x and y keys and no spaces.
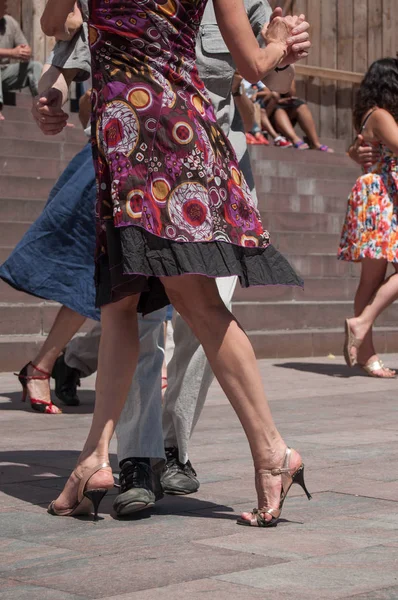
{"x":350,"y":341}
{"x":288,"y":478}
{"x":370,"y":369}
{"x":86,"y":499}
{"x":325,"y":148}
{"x":299,"y":145}
{"x":38,"y":405}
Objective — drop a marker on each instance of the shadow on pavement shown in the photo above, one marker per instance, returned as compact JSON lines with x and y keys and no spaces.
{"x":332,"y":370}
{"x":12,"y":401}
{"x":38,"y":476}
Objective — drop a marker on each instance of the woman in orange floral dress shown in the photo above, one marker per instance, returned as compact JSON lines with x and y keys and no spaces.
{"x":370,"y":229}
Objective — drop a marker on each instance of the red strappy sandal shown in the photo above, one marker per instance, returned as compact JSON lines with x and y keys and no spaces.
{"x":40,"y":406}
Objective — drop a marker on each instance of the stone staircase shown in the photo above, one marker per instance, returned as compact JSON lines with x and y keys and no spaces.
{"x":29,"y":165}
{"x":302,"y":197}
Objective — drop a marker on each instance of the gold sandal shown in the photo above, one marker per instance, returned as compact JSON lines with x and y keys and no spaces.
{"x":86,"y":499}
{"x":258,"y":515}
{"x":377,"y":365}
{"x":350,"y":341}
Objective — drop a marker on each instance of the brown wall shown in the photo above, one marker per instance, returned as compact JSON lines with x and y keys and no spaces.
{"x":347,"y":35}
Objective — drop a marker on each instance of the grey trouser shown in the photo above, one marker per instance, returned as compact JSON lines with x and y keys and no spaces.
{"x":139,"y":431}
{"x":17,"y":76}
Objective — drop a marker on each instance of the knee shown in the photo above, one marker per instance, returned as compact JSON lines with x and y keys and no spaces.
{"x":275,"y":96}
{"x":120,"y":309}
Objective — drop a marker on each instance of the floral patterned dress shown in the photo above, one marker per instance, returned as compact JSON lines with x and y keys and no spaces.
{"x":172,"y":199}
{"x":370,"y":227}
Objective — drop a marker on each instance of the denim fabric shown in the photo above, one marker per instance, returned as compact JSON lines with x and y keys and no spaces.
{"x":55,"y":258}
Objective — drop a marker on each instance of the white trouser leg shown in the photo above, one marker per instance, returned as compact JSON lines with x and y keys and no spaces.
{"x":139,"y":431}
{"x":189,"y":377}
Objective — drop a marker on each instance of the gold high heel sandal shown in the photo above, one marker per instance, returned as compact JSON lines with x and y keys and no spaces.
{"x":86,"y":499}
{"x":288,"y":478}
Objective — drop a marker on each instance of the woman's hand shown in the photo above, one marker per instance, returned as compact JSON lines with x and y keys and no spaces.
{"x":298,"y":41}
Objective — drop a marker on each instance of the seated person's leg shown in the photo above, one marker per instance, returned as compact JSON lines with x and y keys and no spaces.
{"x":284,"y":125}
{"x":266,"y":125}
{"x":307,"y":124}
{"x":18,"y":76}
{"x":1,"y":97}
{"x":33,"y":77}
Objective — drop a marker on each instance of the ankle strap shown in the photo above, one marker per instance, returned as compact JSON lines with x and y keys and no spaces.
{"x":48,"y":375}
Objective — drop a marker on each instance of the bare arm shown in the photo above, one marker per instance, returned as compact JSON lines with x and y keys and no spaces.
{"x":252,"y":62}
{"x":55,"y":16}
{"x":7,"y":52}
{"x":72,"y":25}
{"x":385,"y":129}
{"x":363,"y":154}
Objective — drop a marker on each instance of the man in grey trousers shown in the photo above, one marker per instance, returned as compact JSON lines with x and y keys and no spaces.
{"x":141,"y":442}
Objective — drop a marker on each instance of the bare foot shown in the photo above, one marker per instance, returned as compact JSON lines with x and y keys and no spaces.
{"x":2,"y":117}
{"x":370,"y":365}
{"x":269,"y":486}
{"x":69,"y":496}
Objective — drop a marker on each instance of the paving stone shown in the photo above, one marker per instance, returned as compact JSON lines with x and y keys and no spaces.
{"x":330,"y":577}
{"x":13,"y":590}
{"x":195,"y":590}
{"x":146,"y":567}
{"x":390,"y":593}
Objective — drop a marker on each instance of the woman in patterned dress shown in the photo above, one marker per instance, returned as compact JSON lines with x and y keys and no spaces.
{"x":174,"y":213}
{"x":370,"y":230}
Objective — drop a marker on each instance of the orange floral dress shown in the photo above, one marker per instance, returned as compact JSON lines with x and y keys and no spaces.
{"x":370,"y":226}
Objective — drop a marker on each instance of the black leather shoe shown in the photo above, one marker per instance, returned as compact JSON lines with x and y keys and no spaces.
{"x":139,"y":487}
{"x":66,"y":381}
{"x":178,"y":479}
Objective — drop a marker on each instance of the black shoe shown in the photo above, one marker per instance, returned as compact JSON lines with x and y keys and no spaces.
{"x":66,"y":381}
{"x":178,"y":479}
{"x":139,"y":487}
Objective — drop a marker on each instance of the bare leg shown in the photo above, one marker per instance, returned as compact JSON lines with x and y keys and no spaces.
{"x":232,"y":359}
{"x":307,"y":124}
{"x":266,"y":125}
{"x":117,"y":360}
{"x":373,"y":273}
{"x":284,"y":125}
{"x":66,"y":324}
{"x":385,"y":295}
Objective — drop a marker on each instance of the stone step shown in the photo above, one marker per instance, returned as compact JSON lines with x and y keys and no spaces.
{"x":27,"y":211}
{"x":40,"y":149}
{"x":260,"y":153}
{"x":284,"y":168}
{"x":11,"y":233}
{"x":304,"y":243}
{"x":305,"y":222}
{"x":32,"y":166}
{"x":23,"y":114}
{"x":296,"y":315}
{"x":30,"y":131}
{"x":315,"y":288}
{"x":33,"y":318}
{"x":321,"y":265}
{"x":297,"y":343}
{"x":20,"y":187}
{"x":295,"y":203}
{"x":267,"y":186}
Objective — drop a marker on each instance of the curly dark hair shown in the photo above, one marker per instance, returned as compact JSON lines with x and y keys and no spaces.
{"x":379,"y":88}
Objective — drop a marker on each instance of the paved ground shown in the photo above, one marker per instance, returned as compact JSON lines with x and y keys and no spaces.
{"x":343,"y":544}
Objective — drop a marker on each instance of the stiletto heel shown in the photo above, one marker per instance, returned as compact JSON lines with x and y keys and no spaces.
{"x":288,"y":478}
{"x":87,"y":499}
{"x":298,"y":478}
{"x":37,"y":405}
{"x":95,"y":497}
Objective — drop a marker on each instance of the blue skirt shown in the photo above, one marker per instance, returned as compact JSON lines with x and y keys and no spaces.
{"x":55,"y":258}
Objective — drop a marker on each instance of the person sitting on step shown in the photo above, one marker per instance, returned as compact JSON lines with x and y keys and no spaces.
{"x":17,"y":70}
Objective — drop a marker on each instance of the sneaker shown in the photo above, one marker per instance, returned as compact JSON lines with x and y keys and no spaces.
{"x":139,"y":488}
{"x":282,"y":142}
{"x":251,"y":140}
{"x":261,"y":139}
{"x":178,"y":479}
{"x":66,"y":381}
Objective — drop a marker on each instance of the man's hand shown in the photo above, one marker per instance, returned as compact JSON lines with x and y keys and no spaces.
{"x":47,"y":112}
{"x":364,"y":154}
{"x":22,"y":52}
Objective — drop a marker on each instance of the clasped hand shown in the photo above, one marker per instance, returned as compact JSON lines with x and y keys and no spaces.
{"x":290,"y":31}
